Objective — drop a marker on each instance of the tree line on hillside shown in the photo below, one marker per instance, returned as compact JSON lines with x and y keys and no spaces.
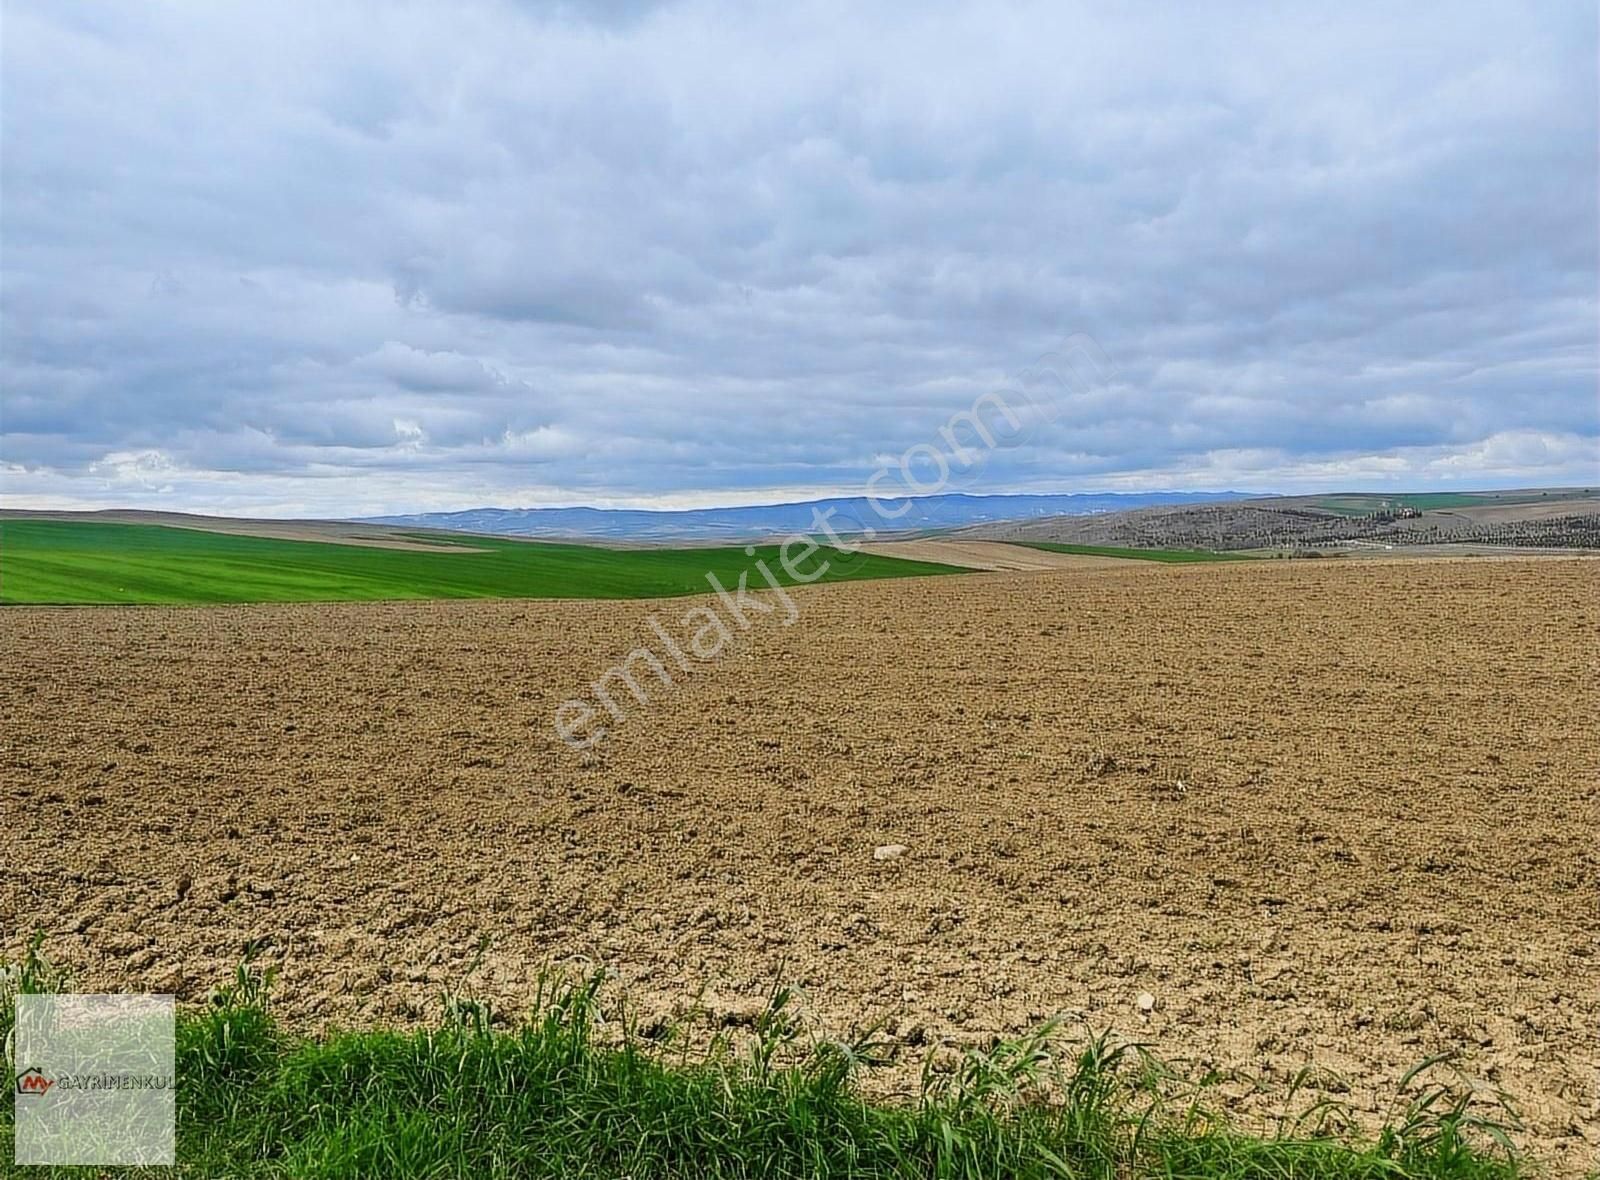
{"x":1232,"y":527}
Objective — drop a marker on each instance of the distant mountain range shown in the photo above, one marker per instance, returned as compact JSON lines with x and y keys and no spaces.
{"x":849,"y":515}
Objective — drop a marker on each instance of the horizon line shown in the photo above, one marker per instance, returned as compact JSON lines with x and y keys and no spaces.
{"x":1234,"y":493}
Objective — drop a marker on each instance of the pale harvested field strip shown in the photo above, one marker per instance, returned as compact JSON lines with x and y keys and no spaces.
{"x":992,"y":555}
{"x":332,"y":532}
{"x":1323,"y":811}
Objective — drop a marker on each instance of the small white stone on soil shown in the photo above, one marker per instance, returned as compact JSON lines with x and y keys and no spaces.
{"x":1146,"y":1003}
{"x":888,"y":851}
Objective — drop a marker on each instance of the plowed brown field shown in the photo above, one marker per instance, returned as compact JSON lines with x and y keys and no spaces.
{"x":1323,"y":812}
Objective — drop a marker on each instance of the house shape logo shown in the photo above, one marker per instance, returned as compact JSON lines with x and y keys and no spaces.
{"x":33,"y":1083}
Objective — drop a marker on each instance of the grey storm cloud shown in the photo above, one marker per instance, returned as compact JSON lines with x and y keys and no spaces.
{"x":344,"y":259}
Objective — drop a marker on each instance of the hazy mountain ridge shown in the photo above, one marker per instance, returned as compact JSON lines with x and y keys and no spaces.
{"x":848,"y":514}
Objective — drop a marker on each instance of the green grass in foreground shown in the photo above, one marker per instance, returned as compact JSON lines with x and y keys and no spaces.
{"x":569,"y":1093}
{"x":48,"y":561}
{"x":1171,"y":556}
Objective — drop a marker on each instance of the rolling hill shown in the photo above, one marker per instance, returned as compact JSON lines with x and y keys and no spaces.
{"x":1539,"y":518}
{"x":81,"y":562}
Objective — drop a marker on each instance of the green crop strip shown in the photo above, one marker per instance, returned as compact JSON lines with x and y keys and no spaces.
{"x":70,"y":562}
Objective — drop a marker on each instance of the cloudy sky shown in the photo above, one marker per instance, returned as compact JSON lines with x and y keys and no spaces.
{"x":338,"y":259}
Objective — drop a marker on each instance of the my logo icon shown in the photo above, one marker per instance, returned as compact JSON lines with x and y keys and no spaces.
{"x":33,"y":1082}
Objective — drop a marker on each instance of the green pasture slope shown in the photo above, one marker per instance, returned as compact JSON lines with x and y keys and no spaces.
{"x":72,"y":562}
{"x":1366,"y":505}
{"x":1170,"y":556}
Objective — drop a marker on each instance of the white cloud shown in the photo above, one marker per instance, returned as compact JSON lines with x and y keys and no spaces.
{"x":321,"y":256}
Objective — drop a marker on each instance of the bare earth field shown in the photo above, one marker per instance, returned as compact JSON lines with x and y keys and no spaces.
{"x":1325,"y":812}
